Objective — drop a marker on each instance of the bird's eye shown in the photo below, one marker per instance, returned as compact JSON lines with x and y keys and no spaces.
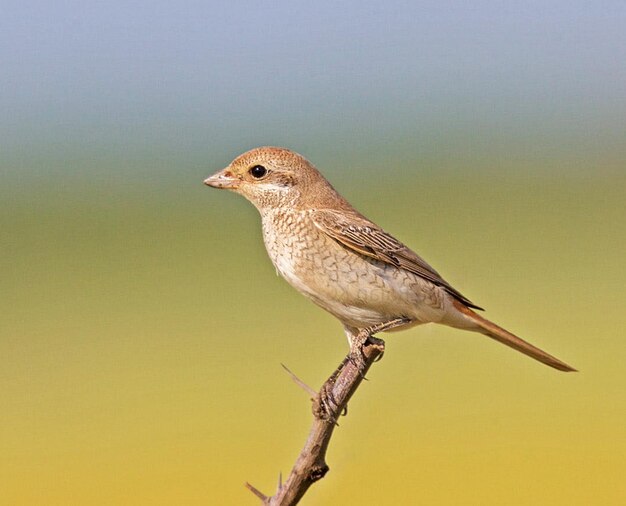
{"x":258,"y":171}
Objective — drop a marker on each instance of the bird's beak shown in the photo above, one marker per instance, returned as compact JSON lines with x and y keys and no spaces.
{"x":223,"y":179}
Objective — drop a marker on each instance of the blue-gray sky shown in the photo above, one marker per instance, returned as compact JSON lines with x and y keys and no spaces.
{"x":88,"y":84}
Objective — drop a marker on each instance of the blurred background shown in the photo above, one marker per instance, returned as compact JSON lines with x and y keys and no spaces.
{"x":143,"y":326}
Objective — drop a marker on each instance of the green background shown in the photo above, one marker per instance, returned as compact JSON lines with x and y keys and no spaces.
{"x":143,"y":326}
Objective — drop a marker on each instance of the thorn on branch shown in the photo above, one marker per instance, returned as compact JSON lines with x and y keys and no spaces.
{"x":256,"y":492}
{"x":299,"y":382}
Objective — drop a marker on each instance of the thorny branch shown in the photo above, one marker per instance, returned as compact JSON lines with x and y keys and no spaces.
{"x":328,"y":404}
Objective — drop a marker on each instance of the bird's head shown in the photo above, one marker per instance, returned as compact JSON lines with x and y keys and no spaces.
{"x":272,"y":177}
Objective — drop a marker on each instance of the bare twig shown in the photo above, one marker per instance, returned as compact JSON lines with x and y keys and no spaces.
{"x":328,"y":404}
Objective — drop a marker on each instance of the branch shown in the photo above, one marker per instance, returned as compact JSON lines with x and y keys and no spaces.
{"x":328,"y":404}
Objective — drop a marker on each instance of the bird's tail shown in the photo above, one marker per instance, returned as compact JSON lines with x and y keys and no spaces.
{"x":505,"y":337}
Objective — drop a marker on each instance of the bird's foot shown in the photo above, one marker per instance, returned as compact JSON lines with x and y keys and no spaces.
{"x":358,"y":341}
{"x":356,"y":356}
{"x":326,"y":406}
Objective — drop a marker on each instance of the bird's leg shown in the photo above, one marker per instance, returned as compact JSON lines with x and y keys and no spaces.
{"x":363,"y":335}
{"x":327,"y":405}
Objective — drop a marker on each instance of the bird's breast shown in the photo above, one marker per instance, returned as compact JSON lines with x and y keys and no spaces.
{"x":357,"y":290}
{"x":291,"y":245}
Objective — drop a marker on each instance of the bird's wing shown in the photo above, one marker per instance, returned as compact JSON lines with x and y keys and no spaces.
{"x":364,"y":237}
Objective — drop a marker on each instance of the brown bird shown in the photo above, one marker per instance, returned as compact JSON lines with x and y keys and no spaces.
{"x":345,"y":263}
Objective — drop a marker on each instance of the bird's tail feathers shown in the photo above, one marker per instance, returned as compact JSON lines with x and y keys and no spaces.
{"x":503,"y":336}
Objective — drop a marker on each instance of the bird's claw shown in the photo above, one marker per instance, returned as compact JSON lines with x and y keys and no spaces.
{"x":326,"y":405}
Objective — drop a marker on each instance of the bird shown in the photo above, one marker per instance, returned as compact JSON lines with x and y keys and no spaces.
{"x":345,"y":263}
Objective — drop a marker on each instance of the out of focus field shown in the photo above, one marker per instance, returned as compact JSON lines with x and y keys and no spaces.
{"x":142,"y":326}
{"x":143,"y":329}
